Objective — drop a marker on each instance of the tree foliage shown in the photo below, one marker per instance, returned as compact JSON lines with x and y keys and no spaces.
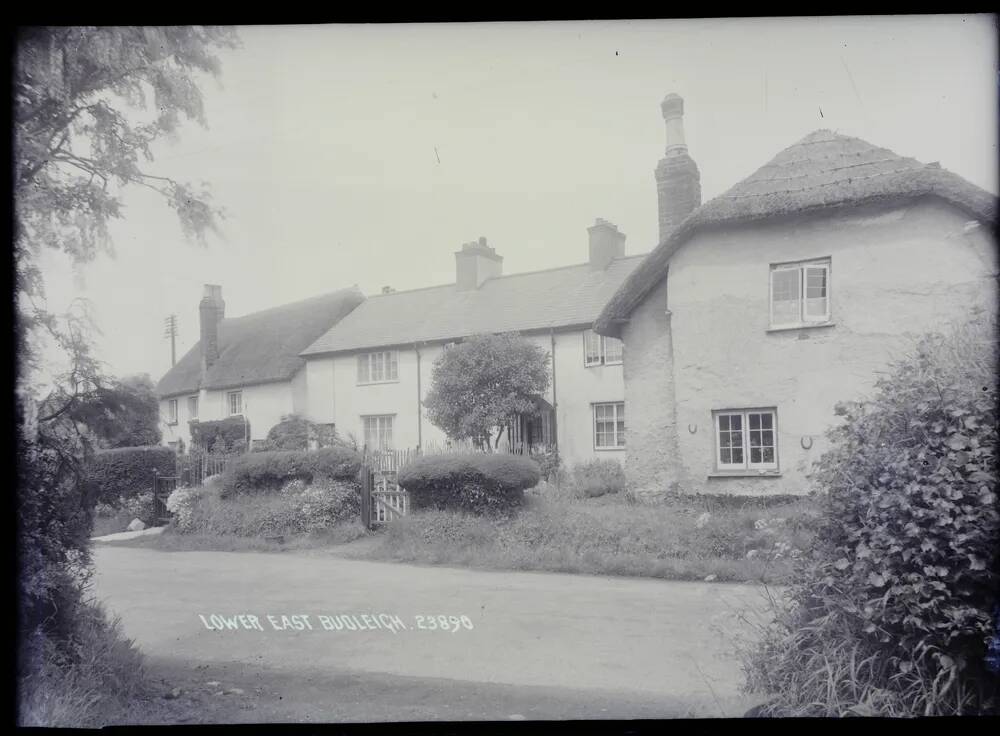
{"x":480,"y":386}
{"x":79,"y":95}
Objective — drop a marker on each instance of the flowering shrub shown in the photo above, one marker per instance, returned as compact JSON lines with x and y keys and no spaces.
{"x":181,"y":504}
{"x":903,"y":575}
{"x":141,"y":507}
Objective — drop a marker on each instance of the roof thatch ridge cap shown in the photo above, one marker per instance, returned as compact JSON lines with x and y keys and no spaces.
{"x":291,"y":305}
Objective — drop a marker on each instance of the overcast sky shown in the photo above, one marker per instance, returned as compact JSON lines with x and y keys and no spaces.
{"x":368,"y":154}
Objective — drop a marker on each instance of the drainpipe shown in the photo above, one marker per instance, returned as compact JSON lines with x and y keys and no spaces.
{"x":555,"y":404}
{"x":420,"y":429}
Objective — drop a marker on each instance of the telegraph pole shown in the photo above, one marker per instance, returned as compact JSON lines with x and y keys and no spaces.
{"x":170,"y":330}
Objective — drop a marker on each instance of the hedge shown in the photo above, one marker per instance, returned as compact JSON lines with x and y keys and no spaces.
{"x":469,"y":481}
{"x":220,"y":435}
{"x":127,"y":471}
{"x":268,"y":471}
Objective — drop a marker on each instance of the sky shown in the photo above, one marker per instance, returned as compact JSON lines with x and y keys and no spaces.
{"x":367,"y":154}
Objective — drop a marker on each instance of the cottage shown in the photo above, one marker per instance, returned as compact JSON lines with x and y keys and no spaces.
{"x":246,"y":366}
{"x":762,"y":308}
{"x":370,"y":373}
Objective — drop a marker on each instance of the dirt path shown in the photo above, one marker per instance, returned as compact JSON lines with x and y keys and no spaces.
{"x":541,"y":645}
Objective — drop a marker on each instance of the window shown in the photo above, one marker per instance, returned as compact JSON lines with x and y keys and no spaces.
{"x":235,"y":402}
{"x":601,"y":350}
{"x":172,"y":411}
{"x":378,"y":367}
{"x":609,"y":426}
{"x":192,"y":407}
{"x":378,"y":432}
{"x":746,"y":439}
{"x":800,"y":293}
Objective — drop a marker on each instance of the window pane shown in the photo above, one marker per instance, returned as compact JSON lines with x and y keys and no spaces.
{"x":754,"y":454}
{"x":785,"y":296}
{"x":393,"y":366}
{"x":726,"y":456}
{"x":738,"y":455}
{"x":724,"y":422}
{"x":754,"y":421}
{"x":736,"y":422}
{"x":765,"y":421}
{"x":362,"y":369}
{"x":768,"y":454}
{"x":612,"y":350}
{"x":591,"y":347}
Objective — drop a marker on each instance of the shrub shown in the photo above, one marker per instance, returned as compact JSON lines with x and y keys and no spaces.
{"x":469,"y":481}
{"x":598,"y":477}
{"x":141,"y":507}
{"x":269,"y":471}
{"x":548,"y":461}
{"x":122,"y":473}
{"x":220,"y":435}
{"x":297,"y":509}
{"x":900,"y":591}
{"x":294,"y":432}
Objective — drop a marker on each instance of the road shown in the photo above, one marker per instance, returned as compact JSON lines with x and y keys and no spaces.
{"x":540,"y":646}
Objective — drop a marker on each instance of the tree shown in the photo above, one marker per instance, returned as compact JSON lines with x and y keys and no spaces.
{"x":481,"y":385}
{"x":77,"y":145}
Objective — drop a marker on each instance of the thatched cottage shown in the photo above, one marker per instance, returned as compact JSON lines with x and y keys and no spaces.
{"x":246,"y":366}
{"x":763,"y":307}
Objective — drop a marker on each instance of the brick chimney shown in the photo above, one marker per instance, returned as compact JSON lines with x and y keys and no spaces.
{"x":211,"y":310}
{"x":606,"y":243}
{"x":678,"y":182}
{"x":476,"y":263}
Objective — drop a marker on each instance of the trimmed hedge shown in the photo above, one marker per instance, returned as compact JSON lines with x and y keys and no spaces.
{"x":269,"y":471}
{"x":220,"y":435}
{"x":127,"y":471}
{"x":469,"y":481}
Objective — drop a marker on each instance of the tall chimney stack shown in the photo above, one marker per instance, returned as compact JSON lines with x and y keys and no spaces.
{"x":678,"y":182}
{"x":476,"y":263}
{"x":606,"y":243}
{"x":211,"y":311}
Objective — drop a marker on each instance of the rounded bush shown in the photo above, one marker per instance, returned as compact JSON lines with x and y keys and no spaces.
{"x":469,"y":481}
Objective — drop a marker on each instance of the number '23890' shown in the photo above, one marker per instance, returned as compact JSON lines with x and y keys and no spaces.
{"x":443,"y":623}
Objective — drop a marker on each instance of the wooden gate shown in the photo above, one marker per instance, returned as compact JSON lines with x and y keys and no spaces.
{"x":382,"y":500}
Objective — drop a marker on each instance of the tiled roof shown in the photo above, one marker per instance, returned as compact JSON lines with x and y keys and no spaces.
{"x":261,"y":347}
{"x":558,"y":297}
{"x":823,"y":171}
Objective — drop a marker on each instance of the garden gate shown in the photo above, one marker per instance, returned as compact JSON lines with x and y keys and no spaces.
{"x":163,"y":486}
{"x":382,"y":500}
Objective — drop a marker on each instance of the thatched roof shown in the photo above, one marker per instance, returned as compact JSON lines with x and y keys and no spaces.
{"x":824,"y":171}
{"x":556,"y":298}
{"x":262,"y":347}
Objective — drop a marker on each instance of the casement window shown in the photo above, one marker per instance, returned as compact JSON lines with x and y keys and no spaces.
{"x":378,"y":367}
{"x":192,"y":407}
{"x":378,"y":431}
{"x":609,"y":426}
{"x":172,"y":411}
{"x":601,"y":350}
{"x":234,"y":402}
{"x":800,"y":293}
{"x":746,"y":439}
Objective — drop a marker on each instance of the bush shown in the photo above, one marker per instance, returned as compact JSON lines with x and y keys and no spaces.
{"x":548,"y":461}
{"x":125,"y":472}
{"x":295,"y":433}
{"x":900,"y":592}
{"x":598,"y":477}
{"x":269,"y":471}
{"x":469,"y":481}
{"x":141,"y":507}
{"x":297,"y":509}
{"x":220,"y":435}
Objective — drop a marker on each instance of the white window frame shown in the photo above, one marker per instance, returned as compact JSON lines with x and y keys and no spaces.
{"x":387,"y":360}
{"x":590,"y":337}
{"x":192,"y":401}
{"x":804,"y":319}
{"x":617,"y":413}
{"x":230,"y":395}
{"x":172,"y":411}
{"x":380,"y":421}
{"x":747,"y":465}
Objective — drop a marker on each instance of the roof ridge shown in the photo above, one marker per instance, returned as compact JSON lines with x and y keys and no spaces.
{"x":815,"y":186}
{"x":507,"y":276}
{"x":289,"y":305}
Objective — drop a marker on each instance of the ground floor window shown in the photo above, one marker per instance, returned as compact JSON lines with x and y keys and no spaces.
{"x":609,"y":425}
{"x":746,"y":439}
{"x":377,"y":431}
{"x":235,"y":402}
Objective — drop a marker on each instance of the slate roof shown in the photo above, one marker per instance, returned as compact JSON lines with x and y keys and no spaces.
{"x":823,"y":171}
{"x":262,"y":347}
{"x":538,"y":300}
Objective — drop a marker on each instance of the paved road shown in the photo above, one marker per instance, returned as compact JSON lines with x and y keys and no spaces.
{"x":542,"y":645}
